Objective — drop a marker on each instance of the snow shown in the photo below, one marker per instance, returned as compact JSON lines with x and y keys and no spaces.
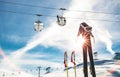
{"x":104,"y":68}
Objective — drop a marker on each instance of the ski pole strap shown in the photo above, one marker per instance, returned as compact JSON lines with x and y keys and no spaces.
{"x":73,"y":57}
{"x":65,"y":59}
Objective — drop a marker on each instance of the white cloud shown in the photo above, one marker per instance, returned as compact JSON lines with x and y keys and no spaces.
{"x":14,"y":38}
{"x":35,"y":56}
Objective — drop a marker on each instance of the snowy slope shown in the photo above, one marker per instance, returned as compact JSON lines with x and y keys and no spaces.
{"x":104,"y":68}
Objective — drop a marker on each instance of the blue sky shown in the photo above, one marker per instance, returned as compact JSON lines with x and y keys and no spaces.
{"x":19,"y":41}
{"x":16,"y":26}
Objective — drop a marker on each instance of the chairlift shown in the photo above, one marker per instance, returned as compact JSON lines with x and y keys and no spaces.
{"x":60,"y":19}
{"x":38,"y":25}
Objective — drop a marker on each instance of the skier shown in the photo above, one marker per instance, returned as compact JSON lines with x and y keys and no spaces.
{"x":85,"y":31}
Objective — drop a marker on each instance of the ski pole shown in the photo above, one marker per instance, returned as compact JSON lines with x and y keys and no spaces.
{"x":66,"y":62}
{"x":73,"y":61}
{"x":67,"y":71}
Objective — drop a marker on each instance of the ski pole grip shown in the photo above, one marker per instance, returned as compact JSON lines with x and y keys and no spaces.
{"x":73,"y":57}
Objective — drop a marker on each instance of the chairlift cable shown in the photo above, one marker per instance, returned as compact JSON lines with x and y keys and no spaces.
{"x":14,"y":3}
{"x":23,"y":13}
